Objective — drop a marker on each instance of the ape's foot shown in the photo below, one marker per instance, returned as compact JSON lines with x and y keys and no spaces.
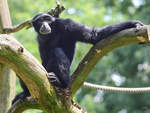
{"x":138,"y":23}
{"x":65,"y":93}
{"x":20,"y":96}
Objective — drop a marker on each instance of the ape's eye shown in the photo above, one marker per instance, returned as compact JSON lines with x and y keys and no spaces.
{"x":47,"y":18}
{"x":40,"y":20}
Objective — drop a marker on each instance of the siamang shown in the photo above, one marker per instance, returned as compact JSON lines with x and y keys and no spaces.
{"x":57,"y":38}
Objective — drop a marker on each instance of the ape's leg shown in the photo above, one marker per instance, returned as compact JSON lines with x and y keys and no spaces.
{"x":55,"y":81}
{"x":23,"y":94}
{"x":59,"y":70}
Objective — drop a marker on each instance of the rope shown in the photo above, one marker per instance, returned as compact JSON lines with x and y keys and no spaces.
{"x":117,"y":89}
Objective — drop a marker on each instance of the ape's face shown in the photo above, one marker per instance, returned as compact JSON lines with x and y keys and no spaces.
{"x":42,"y":23}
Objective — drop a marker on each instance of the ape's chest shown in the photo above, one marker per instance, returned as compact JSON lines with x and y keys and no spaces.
{"x":58,"y":40}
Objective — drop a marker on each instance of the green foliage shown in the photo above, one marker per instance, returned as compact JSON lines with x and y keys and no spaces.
{"x":130,"y":63}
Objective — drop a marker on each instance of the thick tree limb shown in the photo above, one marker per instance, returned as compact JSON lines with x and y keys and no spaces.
{"x":33,"y":74}
{"x":8,"y":83}
{"x":122,"y":38}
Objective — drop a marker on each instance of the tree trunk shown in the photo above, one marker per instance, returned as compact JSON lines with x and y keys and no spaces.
{"x":7,"y":76}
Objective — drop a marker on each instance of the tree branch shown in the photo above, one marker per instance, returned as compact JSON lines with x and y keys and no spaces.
{"x":28,"y":24}
{"x":106,"y":45}
{"x":28,"y":103}
{"x":33,"y":74}
{"x":58,"y":10}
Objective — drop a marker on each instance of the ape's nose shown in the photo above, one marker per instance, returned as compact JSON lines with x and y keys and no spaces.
{"x":43,"y":28}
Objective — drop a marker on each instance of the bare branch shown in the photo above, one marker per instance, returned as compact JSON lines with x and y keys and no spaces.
{"x":27,"y":24}
{"x":58,"y":10}
{"x":122,"y":38}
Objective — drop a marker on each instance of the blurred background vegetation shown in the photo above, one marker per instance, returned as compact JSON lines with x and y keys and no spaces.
{"x":125,"y":67}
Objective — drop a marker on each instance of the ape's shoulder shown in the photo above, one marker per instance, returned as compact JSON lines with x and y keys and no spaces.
{"x":70,"y":25}
{"x":65,"y":21}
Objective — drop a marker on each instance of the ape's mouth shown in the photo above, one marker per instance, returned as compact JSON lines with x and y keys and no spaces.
{"x":45,"y":32}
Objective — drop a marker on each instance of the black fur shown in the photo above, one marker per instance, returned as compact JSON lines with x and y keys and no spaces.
{"x":57,"y":38}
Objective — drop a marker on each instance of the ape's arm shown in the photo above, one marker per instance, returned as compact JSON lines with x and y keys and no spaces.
{"x":93,"y":35}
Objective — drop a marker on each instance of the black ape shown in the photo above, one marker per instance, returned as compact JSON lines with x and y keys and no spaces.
{"x":57,"y":38}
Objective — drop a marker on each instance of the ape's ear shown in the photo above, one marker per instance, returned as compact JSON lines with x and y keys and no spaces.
{"x":53,"y":19}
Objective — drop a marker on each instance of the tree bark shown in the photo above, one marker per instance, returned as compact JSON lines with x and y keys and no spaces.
{"x":7,"y":84}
